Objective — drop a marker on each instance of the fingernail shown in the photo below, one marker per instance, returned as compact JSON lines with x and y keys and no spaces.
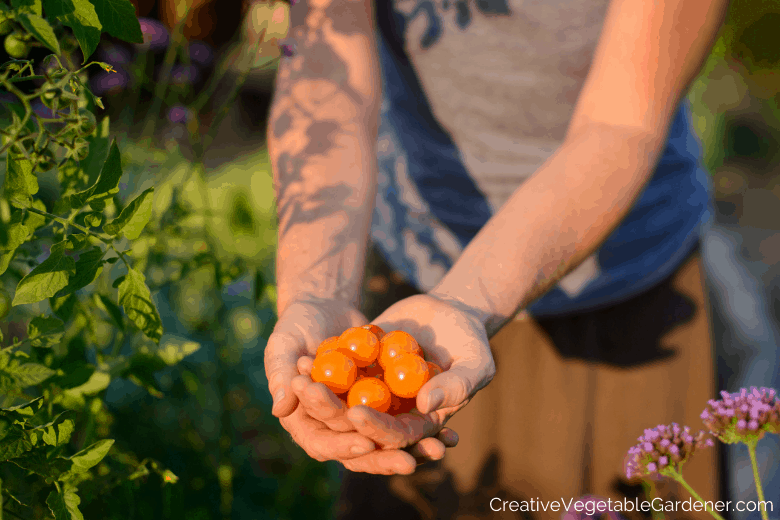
{"x":359,"y":450}
{"x":435,"y":400}
{"x":278,"y":397}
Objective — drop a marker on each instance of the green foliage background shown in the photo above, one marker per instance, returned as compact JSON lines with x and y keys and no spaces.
{"x":136,"y":284}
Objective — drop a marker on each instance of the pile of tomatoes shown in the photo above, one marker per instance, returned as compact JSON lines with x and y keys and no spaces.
{"x":366,"y":366}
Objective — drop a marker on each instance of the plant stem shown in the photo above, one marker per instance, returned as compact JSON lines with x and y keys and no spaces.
{"x":759,"y":489}
{"x":650,"y":493}
{"x":69,"y":223}
{"x":679,"y":478}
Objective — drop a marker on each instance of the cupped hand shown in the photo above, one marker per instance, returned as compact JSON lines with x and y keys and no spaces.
{"x":317,"y":419}
{"x":451,"y":337}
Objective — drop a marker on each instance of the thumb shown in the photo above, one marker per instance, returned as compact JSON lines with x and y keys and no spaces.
{"x":281,"y":357}
{"x":454,"y":387}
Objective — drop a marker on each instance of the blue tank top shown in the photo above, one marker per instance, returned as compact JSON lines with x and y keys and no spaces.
{"x":420,"y":211}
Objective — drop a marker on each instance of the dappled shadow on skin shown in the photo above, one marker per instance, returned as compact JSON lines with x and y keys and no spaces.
{"x":635,"y":328}
{"x":427,"y":494}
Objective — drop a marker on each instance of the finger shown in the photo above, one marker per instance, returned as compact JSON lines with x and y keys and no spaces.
{"x":448,"y":437}
{"x":392,"y":431}
{"x":383,"y":462}
{"x":321,"y":443}
{"x":452,"y":389}
{"x":427,"y":449}
{"x":281,"y":355}
{"x":304,"y":365}
{"x":321,"y":404}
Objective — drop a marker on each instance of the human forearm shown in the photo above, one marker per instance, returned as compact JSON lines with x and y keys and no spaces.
{"x":552,"y":222}
{"x":321,"y":140}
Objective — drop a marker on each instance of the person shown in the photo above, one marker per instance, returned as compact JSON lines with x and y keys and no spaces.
{"x":531,"y":168}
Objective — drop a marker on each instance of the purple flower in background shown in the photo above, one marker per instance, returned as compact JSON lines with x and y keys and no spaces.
{"x":287,"y":47}
{"x":185,"y":74}
{"x":238,"y":288}
{"x":155,"y":34}
{"x":662,"y":450}
{"x":590,"y":507}
{"x":114,"y":54}
{"x":109,"y":82}
{"x":201,"y":53}
{"x":179,"y":114}
{"x":744,"y":416}
{"x":42,"y":110}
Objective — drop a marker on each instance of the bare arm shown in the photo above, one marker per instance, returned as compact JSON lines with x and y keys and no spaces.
{"x":649,"y":53}
{"x":322,"y":144}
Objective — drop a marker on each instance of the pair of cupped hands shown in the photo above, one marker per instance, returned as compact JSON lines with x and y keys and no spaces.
{"x":361,"y":438}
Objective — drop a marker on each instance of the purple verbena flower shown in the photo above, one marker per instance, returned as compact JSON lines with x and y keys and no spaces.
{"x":662,"y":450}
{"x":201,"y":53}
{"x":184,"y":74}
{"x":744,"y":416}
{"x":155,"y":34}
{"x":114,"y":54}
{"x":110,"y":82}
{"x":287,"y":47}
{"x":179,"y":114}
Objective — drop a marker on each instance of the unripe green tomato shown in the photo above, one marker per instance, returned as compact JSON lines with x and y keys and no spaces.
{"x":16,"y":47}
{"x":5,"y":303}
{"x":6,"y":26}
{"x":87,"y":122}
{"x":82,"y":149}
{"x":51,"y":98}
{"x":45,"y":160}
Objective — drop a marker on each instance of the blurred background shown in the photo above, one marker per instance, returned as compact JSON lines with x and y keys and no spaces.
{"x":214,"y":427}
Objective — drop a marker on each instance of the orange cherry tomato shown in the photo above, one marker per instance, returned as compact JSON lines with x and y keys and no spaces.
{"x":371,"y":392}
{"x":372,"y":370}
{"x":399,"y":405}
{"x":433,"y":368}
{"x":378,"y":332}
{"x":395,"y":343}
{"x":406,"y":374}
{"x":360,"y":344}
{"x":335,"y":370}
{"x":328,"y":344}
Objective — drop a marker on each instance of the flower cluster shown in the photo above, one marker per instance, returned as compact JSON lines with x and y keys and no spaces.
{"x":663,"y":450}
{"x":743,"y":416}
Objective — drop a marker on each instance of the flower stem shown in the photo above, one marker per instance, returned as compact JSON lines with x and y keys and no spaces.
{"x":759,"y":489}
{"x":679,"y":478}
{"x":650,"y":493}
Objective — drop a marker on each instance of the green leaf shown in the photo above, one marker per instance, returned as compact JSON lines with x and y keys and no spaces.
{"x":63,"y":306}
{"x":132,"y":220}
{"x":23,"y":410}
{"x":31,"y":374}
{"x":80,"y":16}
{"x":118,"y":282}
{"x":35,"y":460}
{"x":20,"y":183}
{"x":33,"y":220}
{"x":93,"y":219}
{"x":77,"y":241}
{"x":174,"y":350}
{"x":136,"y":298}
{"x":64,"y":504}
{"x":45,"y":331}
{"x":106,"y":186}
{"x":5,"y":260}
{"x":56,"y":432}
{"x":87,"y":269}
{"x":16,"y":443}
{"x":28,"y":6}
{"x":47,"y":278}
{"x":99,"y":145}
{"x":42,"y":31}
{"x":119,"y":20}
{"x":90,"y":456}
{"x":17,"y":232}
{"x":105,"y":303}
